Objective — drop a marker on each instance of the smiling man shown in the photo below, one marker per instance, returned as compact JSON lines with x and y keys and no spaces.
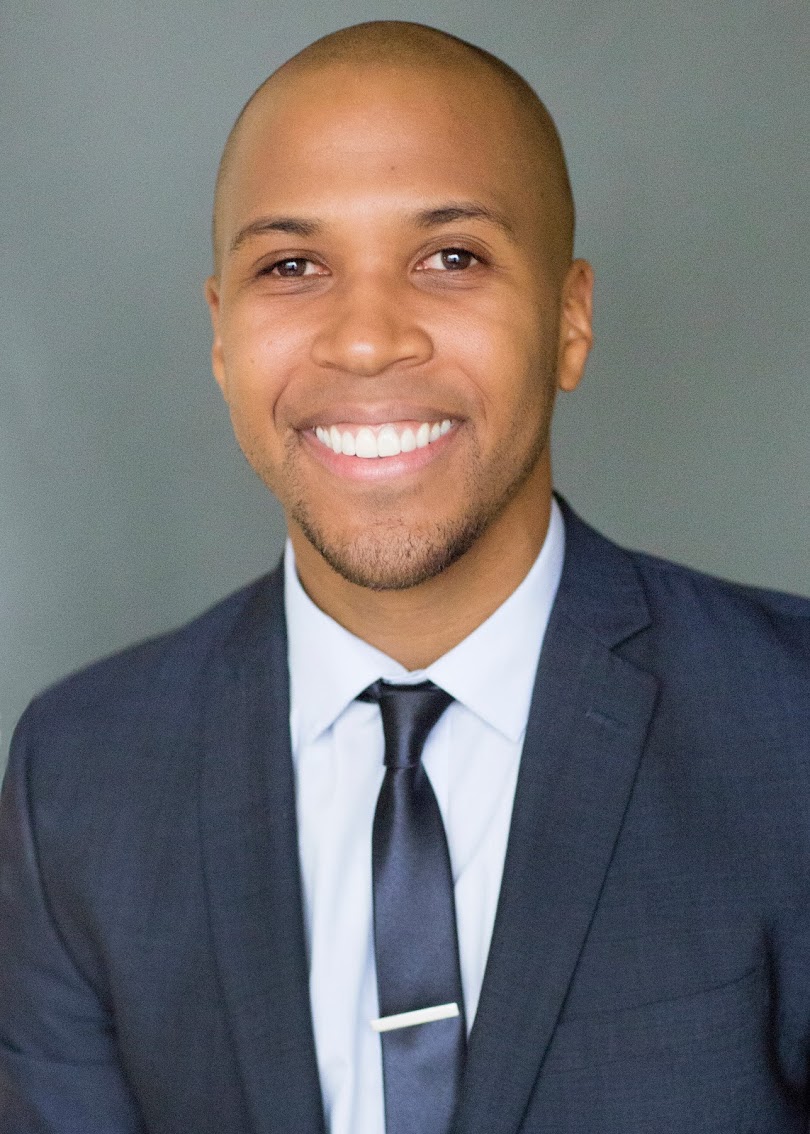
{"x":462,"y":819}
{"x":394,"y":309}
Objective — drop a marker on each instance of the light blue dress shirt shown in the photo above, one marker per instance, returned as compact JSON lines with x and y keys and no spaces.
{"x":472,"y":759}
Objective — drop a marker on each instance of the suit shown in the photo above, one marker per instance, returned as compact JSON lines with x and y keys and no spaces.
{"x":650,"y":963}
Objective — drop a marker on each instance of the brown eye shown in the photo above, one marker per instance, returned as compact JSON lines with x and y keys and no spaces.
{"x":290,"y":269}
{"x":449,"y":260}
{"x":456,"y":259}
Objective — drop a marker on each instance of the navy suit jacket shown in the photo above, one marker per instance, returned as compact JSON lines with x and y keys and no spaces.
{"x":650,"y":963}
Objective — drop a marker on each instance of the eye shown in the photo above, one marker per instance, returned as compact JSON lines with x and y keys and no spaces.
{"x":449,"y":260}
{"x":291,"y":268}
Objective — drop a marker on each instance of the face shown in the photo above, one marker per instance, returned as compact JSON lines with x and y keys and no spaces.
{"x":390,"y":326}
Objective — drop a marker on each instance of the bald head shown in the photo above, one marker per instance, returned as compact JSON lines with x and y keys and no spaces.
{"x":400,"y":48}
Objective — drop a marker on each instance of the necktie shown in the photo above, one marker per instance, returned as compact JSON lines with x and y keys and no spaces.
{"x":415,"y":941}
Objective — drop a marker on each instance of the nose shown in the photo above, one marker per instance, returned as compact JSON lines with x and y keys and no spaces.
{"x":369,"y":326}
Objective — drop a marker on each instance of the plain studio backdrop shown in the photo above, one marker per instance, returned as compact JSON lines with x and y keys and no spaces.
{"x":125,"y":505}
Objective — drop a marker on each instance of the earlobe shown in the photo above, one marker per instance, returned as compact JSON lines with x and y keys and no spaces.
{"x":217,"y":361}
{"x":576,"y":326}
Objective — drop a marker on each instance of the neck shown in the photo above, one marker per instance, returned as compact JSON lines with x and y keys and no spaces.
{"x":418,"y":625}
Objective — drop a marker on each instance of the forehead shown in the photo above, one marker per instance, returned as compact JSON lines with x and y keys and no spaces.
{"x":350,"y":139}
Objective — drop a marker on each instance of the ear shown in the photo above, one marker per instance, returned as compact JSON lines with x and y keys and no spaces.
{"x":217,"y":359}
{"x":576,"y":330}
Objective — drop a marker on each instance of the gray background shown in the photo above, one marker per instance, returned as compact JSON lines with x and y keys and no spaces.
{"x":124,"y":504}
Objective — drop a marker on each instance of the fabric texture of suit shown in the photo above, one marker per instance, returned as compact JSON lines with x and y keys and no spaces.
{"x":650,"y":963}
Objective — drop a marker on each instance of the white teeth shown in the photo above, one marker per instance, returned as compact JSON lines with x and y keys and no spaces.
{"x":407,"y":442}
{"x":386,"y":442}
{"x":365,"y":443}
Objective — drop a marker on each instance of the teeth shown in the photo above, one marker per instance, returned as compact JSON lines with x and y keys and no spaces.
{"x":386,"y":442}
{"x":366,"y":443}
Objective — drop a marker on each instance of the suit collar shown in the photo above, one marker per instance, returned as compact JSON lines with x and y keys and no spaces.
{"x":258,"y":637}
{"x":250,"y":855}
{"x":587,"y":727}
{"x":600,"y":589}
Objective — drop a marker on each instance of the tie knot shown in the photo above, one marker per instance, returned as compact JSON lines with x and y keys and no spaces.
{"x":408,"y":712}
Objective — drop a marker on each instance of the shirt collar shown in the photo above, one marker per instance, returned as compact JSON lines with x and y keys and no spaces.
{"x":491,"y":671}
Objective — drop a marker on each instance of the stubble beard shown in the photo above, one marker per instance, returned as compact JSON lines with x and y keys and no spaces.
{"x":388,"y":555}
{"x":391,"y":557}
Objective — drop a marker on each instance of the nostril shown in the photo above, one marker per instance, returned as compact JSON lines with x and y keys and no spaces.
{"x":366,"y":340}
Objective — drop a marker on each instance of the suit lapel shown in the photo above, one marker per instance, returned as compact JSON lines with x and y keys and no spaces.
{"x":251,"y":866}
{"x":588,"y":721}
{"x":585,"y":734}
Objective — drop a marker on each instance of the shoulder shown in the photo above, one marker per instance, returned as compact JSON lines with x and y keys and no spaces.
{"x":150,"y":687}
{"x":676,"y":601}
{"x":735,"y":659}
{"x":717,"y":610}
{"x":733,"y":665}
{"x":731,"y":662}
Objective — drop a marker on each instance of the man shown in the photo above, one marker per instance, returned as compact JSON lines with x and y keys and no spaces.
{"x":576,"y":896}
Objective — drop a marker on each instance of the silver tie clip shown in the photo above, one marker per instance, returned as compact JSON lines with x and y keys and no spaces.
{"x":419,"y":1016}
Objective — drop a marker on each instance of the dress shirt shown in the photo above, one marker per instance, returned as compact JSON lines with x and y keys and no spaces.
{"x":471,"y":757}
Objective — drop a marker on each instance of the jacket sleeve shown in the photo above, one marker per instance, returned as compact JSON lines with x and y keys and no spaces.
{"x":59,"y":1070}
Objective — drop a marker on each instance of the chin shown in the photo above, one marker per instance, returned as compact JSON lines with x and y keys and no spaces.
{"x":392,"y":557}
{"x":391,"y":553}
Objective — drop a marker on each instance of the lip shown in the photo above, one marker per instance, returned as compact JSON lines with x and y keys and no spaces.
{"x":376,"y":469}
{"x":380,"y":413}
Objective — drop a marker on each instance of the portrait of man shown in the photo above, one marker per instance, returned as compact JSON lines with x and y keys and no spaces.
{"x":463,"y":818}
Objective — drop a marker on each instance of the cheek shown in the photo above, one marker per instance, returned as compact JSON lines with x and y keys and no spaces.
{"x":257,"y":361}
{"x":509,"y":358}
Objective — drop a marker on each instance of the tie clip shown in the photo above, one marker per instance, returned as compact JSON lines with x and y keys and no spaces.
{"x":419,"y":1016}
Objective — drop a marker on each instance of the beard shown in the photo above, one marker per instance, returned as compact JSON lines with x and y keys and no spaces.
{"x":388,"y":554}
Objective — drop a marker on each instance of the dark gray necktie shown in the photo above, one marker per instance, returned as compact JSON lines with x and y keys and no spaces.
{"x":415,"y":940}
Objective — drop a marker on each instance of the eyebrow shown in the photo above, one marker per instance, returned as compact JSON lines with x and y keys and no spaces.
{"x":463,"y":210}
{"x":425,"y":218}
{"x":293,"y":226}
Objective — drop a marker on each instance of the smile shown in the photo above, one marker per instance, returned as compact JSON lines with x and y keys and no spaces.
{"x":387,"y":440}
